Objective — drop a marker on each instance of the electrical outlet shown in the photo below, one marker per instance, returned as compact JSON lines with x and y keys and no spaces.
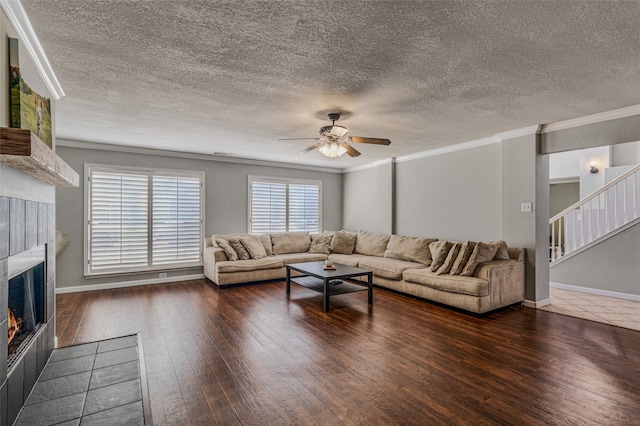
{"x":162,"y":275}
{"x":525,"y":207}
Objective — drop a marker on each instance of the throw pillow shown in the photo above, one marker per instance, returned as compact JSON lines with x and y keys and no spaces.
{"x":228,"y":250}
{"x":371,"y":244}
{"x":483,"y":252}
{"x":463,"y":257}
{"x":503,"y":251}
{"x":266,"y":243}
{"x":451,"y":257}
{"x":254,"y":246}
{"x":412,"y":249}
{"x":343,"y":242}
{"x":225,"y":237}
{"x":242,"y":252}
{"x":321,"y":243}
{"x":290,"y":242}
{"x":439,"y":251}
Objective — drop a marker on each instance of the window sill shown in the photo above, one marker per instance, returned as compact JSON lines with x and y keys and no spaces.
{"x":141,"y":271}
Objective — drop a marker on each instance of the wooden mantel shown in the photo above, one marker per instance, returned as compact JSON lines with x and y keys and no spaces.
{"x":24,"y":151}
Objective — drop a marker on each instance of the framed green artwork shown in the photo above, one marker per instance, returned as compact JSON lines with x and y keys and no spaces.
{"x":29,"y":109}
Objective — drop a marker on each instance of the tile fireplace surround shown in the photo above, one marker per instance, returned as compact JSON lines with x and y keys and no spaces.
{"x":29,"y":171}
{"x":25,"y":225}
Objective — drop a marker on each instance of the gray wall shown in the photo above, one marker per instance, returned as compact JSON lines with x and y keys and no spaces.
{"x":611,"y":132}
{"x":368,"y":199}
{"x":625,"y":154}
{"x":452,"y":196}
{"x":525,"y":179}
{"x":226,"y":200}
{"x":562,"y":195}
{"x":471,"y":194}
{"x":612,"y":265}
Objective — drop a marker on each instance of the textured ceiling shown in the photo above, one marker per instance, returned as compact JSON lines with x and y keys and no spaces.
{"x":234,"y":76}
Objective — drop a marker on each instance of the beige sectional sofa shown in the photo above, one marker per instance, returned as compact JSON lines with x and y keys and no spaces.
{"x":403,"y":264}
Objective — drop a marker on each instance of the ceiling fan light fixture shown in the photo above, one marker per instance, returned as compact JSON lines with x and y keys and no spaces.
{"x":338,"y":131}
{"x":332,"y":149}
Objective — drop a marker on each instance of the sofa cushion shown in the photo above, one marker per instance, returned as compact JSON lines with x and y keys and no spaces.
{"x":253,"y":245}
{"x":413,"y":249}
{"x":343,"y":242}
{"x":451,"y":257}
{"x":386,"y":267}
{"x":321,"y":243}
{"x":265,"y":239}
{"x":290,"y":242}
{"x":347,"y":259}
{"x":439,"y":251}
{"x":503,"y":251}
{"x":226,"y":236}
{"x":249,"y":265}
{"x":242,"y":252}
{"x":483,"y":252}
{"x":228,"y":250}
{"x":516,"y":253}
{"x":301,"y":257}
{"x":463,"y":257}
{"x":371,"y":244}
{"x":451,"y":283}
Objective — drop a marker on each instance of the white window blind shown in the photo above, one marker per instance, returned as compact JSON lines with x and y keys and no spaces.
{"x":279,"y":205}
{"x":119,"y":222}
{"x":304,"y":207}
{"x":176,"y":219}
{"x":268,"y":207}
{"x":142,"y":220}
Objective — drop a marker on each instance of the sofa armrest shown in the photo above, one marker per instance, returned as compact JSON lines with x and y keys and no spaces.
{"x":506,"y":281}
{"x":516,"y":253}
{"x":217,"y":253}
{"x":210,"y":256}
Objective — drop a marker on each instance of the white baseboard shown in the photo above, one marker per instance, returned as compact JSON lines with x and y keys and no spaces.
{"x":608,"y":293}
{"x":536,"y":303}
{"x":107,"y":286}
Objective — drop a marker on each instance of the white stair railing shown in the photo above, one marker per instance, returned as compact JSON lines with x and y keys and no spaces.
{"x":596,"y":215}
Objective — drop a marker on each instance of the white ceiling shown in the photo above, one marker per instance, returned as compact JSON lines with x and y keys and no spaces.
{"x":234,"y":76}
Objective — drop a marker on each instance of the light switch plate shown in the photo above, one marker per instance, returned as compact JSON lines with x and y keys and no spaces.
{"x":525,"y":207}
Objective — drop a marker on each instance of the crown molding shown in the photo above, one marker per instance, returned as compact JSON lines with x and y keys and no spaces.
{"x":448,"y":149}
{"x":21,"y":24}
{"x":525,"y":131}
{"x":591,"y":119}
{"x":69,"y":143}
{"x":372,"y":165}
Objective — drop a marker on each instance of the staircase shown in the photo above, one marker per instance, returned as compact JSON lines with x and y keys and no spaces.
{"x":609,"y":210}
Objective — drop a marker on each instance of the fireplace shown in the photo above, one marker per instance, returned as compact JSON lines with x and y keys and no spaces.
{"x":29,"y":173}
{"x":26,"y":300}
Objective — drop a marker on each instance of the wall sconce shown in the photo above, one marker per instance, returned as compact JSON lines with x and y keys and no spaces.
{"x":593,"y":168}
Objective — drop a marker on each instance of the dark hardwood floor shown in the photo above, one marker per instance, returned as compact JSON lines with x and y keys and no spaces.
{"x":247,"y":355}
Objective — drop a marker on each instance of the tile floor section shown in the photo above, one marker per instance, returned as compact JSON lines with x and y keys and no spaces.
{"x":95,"y":383}
{"x":609,"y":310}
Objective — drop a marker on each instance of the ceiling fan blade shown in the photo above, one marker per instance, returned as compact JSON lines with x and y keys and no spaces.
{"x":360,"y":139}
{"x":311,"y":148}
{"x":351,"y":151}
{"x":300,"y":139}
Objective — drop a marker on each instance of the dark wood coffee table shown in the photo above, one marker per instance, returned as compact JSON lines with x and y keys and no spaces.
{"x":329,"y":281}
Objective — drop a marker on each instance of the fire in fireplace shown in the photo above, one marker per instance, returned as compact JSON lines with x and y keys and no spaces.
{"x":26,"y":301}
{"x":14,"y":325}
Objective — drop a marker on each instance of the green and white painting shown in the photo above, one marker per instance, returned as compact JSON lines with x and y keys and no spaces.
{"x":29,"y":109}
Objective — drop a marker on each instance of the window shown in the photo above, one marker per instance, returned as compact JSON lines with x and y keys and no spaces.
{"x":280,"y":205}
{"x":140,"y":220}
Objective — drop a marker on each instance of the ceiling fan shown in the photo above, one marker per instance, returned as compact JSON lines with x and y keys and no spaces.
{"x":333,"y":140}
